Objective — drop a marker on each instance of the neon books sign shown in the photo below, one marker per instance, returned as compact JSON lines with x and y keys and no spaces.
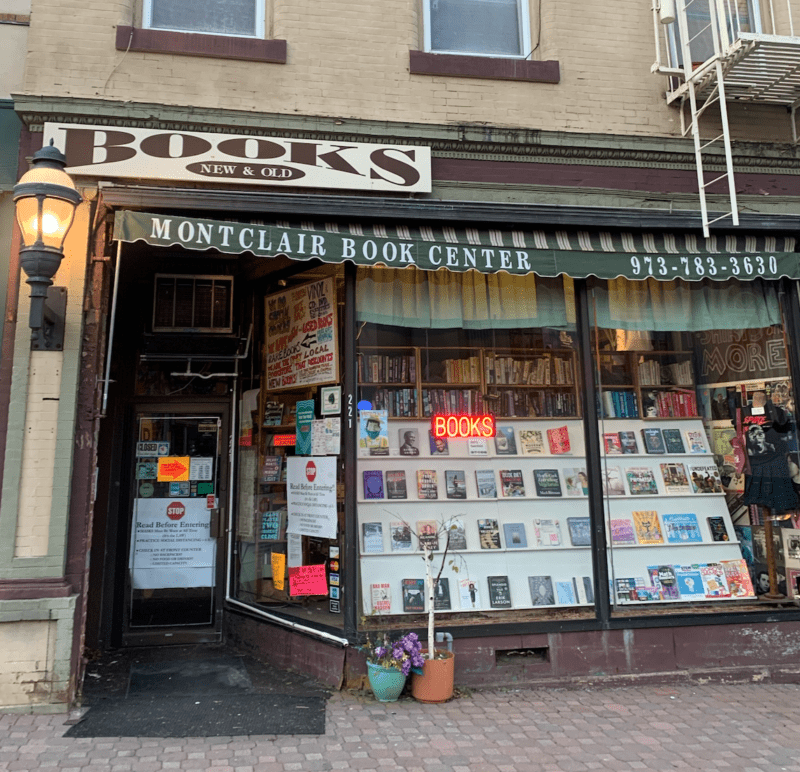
{"x":463,"y":426}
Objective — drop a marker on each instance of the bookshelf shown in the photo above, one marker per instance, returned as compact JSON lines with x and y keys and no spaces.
{"x":647,"y":385}
{"x":417,"y":382}
{"x":544,"y":516}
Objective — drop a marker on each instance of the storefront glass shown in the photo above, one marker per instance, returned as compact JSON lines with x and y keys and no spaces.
{"x":699,"y":440}
{"x":504,"y":516}
{"x":290,"y":470}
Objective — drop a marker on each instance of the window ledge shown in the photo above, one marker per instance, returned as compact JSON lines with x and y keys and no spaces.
{"x":494,"y":68}
{"x":190,"y":44}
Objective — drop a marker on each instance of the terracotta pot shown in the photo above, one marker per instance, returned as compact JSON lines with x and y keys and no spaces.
{"x":436,"y":682}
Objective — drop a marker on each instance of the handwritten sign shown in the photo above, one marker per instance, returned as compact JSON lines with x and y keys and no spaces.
{"x":278,"y":570}
{"x":308,"y":580}
{"x":301,"y":336}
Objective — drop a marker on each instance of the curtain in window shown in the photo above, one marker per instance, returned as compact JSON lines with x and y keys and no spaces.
{"x":476,"y":26}
{"x":657,"y":306}
{"x":475,"y":301}
{"x":224,"y":17}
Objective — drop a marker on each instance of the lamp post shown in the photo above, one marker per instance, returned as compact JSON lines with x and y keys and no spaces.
{"x":45,"y":200}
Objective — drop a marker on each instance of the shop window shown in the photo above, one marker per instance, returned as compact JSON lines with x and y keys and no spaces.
{"x":290,"y":521}
{"x":477,"y":27}
{"x":244,"y":18}
{"x":505,"y":515}
{"x":700,"y":449}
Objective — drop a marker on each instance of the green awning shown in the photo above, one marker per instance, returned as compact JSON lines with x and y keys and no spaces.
{"x":579,"y":254}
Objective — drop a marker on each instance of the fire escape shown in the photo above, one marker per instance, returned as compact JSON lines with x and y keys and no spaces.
{"x":716,"y":52}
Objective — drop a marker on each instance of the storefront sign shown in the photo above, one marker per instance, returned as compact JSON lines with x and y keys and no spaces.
{"x":665,"y":257}
{"x":171,"y":544}
{"x":284,"y":440}
{"x":311,"y":496}
{"x":463,"y":426}
{"x":252,"y":159}
{"x":302,"y":347}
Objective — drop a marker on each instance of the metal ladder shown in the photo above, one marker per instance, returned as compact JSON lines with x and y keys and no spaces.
{"x":716,"y":24}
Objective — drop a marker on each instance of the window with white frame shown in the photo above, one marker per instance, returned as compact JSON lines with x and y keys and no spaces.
{"x":478,"y":27}
{"x":731,"y":17}
{"x":242,"y":18}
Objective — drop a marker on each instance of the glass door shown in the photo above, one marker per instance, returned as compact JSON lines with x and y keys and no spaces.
{"x":175,"y":520}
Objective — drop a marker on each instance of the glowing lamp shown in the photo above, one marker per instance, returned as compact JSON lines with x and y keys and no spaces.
{"x":45,"y":200}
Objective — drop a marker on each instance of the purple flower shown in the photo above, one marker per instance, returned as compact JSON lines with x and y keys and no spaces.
{"x":406,"y":666}
{"x":397,"y":650}
{"x":380,"y":652}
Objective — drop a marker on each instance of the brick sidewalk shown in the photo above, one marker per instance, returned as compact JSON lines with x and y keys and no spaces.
{"x":741,"y":728}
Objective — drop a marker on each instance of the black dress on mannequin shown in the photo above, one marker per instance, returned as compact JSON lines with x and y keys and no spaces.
{"x":769,"y":481}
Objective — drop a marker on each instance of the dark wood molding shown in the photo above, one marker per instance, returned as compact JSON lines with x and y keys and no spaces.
{"x":491,"y":67}
{"x":32,"y":589}
{"x":190,"y":44}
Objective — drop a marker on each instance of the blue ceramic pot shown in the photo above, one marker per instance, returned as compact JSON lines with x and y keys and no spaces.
{"x":387,"y":682}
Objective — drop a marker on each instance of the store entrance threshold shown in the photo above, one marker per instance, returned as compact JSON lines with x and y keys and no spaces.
{"x":196,"y":691}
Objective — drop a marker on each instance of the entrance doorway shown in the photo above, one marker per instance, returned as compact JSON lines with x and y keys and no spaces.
{"x":177,"y":503}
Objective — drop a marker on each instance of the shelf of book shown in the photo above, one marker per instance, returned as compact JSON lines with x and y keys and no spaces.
{"x":647,"y":385}
{"x":679,"y":502}
{"x":418,"y":554}
{"x":428,"y":380}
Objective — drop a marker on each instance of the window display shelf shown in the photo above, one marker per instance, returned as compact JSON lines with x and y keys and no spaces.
{"x":438,"y":553}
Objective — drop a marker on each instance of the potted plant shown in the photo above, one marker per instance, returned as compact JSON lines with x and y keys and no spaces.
{"x":390,"y":662}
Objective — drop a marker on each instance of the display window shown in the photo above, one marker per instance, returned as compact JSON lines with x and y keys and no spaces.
{"x":478,"y":451}
{"x":699,"y":441}
{"x":471,"y":447}
{"x":290,"y":521}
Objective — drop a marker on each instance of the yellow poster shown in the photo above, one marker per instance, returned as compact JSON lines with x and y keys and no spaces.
{"x":173,"y":468}
{"x":278,"y":570}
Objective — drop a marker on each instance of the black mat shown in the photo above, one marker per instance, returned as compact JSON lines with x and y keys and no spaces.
{"x":204,"y":716}
{"x":189,"y":678}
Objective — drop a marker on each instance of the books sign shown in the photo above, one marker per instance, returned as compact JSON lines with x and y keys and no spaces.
{"x":462,"y":426}
{"x":240,"y":159}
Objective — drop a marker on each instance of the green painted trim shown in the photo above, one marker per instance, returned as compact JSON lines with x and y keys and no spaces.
{"x":523,"y":251}
{"x":62,"y":612}
{"x":52,"y":564}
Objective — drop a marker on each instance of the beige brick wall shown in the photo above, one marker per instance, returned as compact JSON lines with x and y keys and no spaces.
{"x":27,"y":653}
{"x":38,"y":455}
{"x":350,"y":60}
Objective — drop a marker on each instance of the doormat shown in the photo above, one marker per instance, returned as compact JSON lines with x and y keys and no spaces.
{"x":198,"y":716}
{"x":189,"y":678}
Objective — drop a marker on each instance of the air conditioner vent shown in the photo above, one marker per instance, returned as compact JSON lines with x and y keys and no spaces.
{"x":184,"y":303}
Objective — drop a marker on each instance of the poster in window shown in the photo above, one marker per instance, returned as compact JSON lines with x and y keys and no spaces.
{"x":301,"y":336}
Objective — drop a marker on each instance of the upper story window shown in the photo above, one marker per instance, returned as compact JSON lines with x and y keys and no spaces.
{"x":243,"y":18}
{"x":730,"y":19}
{"x":477,"y":27}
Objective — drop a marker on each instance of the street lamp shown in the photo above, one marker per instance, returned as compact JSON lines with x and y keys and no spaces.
{"x":45,"y":200}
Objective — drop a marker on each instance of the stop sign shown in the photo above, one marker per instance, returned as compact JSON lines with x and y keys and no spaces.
{"x":176,"y":510}
{"x":311,"y":471}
